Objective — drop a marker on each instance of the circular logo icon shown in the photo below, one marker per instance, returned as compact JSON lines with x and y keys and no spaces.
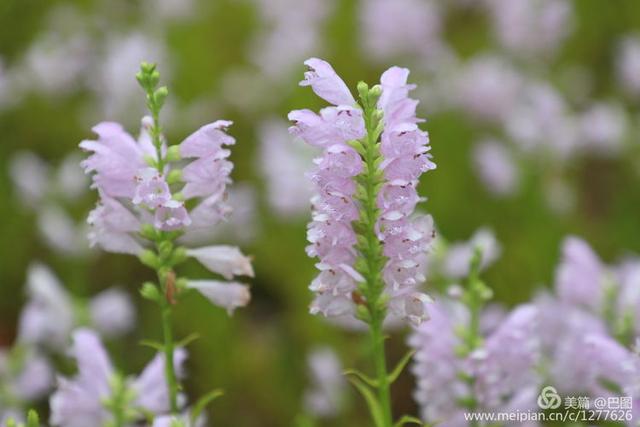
{"x":549,"y":398}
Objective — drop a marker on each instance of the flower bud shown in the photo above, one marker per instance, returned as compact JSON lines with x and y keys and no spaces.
{"x":150,"y":291}
{"x":149,"y":258}
{"x":363,"y":90}
{"x":173,"y":153}
{"x":148,"y":232}
{"x":160,"y":95}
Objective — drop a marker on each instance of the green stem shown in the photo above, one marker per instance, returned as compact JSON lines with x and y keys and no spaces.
{"x":384,"y":393}
{"x":155,"y":137}
{"x":372,"y":252}
{"x":170,"y":374}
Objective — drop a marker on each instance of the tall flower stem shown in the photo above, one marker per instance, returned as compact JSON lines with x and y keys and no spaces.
{"x":475,"y":295}
{"x":170,"y":374}
{"x":369,"y":246}
{"x":148,"y":77}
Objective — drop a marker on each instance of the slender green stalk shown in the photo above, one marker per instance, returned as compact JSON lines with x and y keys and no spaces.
{"x":384,"y":393}
{"x":475,"y":295}
{"x":372,"y":257}
{"x":148,"y":77}
{"x":170,"y":374}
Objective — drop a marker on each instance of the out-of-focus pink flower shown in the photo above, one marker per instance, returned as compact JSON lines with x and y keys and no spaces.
{"x":503,"y":369}
{"x":603,"y":127}
{"x":79,"y":401}
{"x":48,"y":317}
{"x":495,"y":167}
{"x":531,"y":28}
{"x":581,"y":276}
{"x":52,"y":313}
{"x":541,"y":120}
{"x":418,"y":34}
{"x":31,"y":381}
{"x":488,"y":87}
{"x":323,"y":397}
{"x":628,"y":63}
{"x":112,"y":312}
{"x":459,"y":255}
{"x":287,"y":194}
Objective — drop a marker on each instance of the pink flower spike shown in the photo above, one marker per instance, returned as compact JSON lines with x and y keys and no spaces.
{"x":326,"y":83}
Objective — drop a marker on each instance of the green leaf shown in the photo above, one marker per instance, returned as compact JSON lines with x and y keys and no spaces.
{"x":407,"y":419}
{"x":202,"y":403}
{"x":362,"y":376}
{"x":153,"y":344}
{"x":374,"y":406}
{"x":393,"y":376}
{"x":187,"y":340}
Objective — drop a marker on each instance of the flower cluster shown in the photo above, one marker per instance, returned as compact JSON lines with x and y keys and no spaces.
{"x":45,"y":325}
{"x":403,"y":156}
{"x":596,"y":308}
{"x":497,"y":375}
{"x":98,"y":395}
{"x":578,"y":339}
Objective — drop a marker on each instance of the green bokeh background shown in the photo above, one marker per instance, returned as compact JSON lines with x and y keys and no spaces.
{"x":259,"y":355}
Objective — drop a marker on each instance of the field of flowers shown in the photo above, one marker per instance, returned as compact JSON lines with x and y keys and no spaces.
{"x":307,"y":213}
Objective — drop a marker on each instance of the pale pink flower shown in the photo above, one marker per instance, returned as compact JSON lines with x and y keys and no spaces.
{"x":172,"y":215}
{"x":227,"y":261}
{"x":326,"y":83}
{"x":113,"y":226}
{"x":228,"y":295}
